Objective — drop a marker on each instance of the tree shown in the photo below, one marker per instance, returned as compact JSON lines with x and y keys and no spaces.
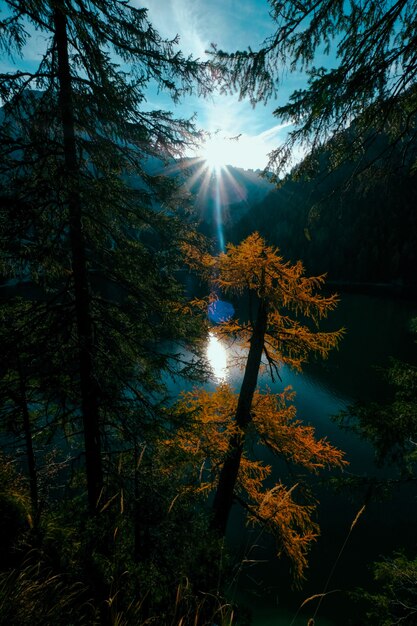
{"x":395,"y":600}
{"x":392,"y":427}
{"x":209,"y":438}
{"x":278,"y":292}
{"x":370,"y":78}
{"x":100,"y":231}
{"x":19,"y":404}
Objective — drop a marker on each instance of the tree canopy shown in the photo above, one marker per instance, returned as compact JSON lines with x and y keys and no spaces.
{"x":91,"y":234}
{"x":369,"y":76}
{"x":285,"y":308}
{"x":86,"y":218}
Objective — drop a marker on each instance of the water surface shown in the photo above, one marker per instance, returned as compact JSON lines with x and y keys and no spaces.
{"x":377,"y":329}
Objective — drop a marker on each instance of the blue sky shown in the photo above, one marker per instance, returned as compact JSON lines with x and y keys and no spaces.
{"x":231,"y":24}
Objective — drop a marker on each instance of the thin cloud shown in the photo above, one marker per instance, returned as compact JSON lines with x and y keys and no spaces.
{"x":275,"y":130}
{"x":190,"y":21}
{"x":199,"y":23}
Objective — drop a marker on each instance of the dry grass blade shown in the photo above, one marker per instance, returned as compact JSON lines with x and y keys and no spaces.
{"x":359,"y":513}
{"x":317,"y":595}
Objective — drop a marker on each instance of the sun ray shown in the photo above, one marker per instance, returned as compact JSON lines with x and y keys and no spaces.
{"x":213,"y":183}
{"x":236,"y":186}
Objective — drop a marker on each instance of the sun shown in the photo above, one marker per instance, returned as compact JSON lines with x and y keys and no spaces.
{"x":216,"y":152}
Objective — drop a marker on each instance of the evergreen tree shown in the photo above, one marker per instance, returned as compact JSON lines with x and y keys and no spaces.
{"x":391,"y":427}
{"x":370,"y":78}
{"x":83,"y":217}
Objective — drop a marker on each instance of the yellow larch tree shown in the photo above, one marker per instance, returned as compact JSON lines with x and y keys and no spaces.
{"x":285,"y":308}
{"x":204,"y":443}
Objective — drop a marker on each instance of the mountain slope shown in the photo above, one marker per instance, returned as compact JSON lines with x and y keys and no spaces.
{"x":362,"y":232}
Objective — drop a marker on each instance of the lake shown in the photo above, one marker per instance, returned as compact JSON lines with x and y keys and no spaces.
{"x":377,"y":328}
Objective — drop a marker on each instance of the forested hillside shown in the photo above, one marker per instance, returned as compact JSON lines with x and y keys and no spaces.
{"x":234,"y":190}
{"x":360,"y":229}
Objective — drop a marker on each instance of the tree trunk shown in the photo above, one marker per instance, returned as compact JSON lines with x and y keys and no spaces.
{"x":88,"y":384}
{"x":223,"y":498}
{"x":30,"y":454}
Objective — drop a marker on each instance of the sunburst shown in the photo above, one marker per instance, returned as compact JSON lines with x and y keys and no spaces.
{"x":215,"y":152}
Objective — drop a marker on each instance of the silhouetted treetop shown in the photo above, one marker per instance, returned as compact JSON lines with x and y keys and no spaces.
{"x":370,"y":75}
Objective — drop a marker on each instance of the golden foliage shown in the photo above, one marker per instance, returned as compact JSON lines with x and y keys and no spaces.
{"x":208,"y":419}
{"x":255,"y":268}
{"x":277,"y":426}
{"x":208,"y":425}
{"x":292,"y":523}
{"x":197,"y":258}
{"x":283,"y":328}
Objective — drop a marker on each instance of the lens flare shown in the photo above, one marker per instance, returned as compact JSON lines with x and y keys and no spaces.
{"x":220,"y":311}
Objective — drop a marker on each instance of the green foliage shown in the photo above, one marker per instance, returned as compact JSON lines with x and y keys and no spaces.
{"x":91,"y":235}
{"x":33,"y":595}
{"x":91,"y":231}
{"x":15,"y":514}
{"x":79,"y":569}
{"x":391,"y":428}
{"x":395,"y":602}
{"x":370,"y":77}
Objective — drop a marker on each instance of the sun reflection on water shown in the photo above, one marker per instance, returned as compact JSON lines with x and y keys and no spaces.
{"x":217,"y":358}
